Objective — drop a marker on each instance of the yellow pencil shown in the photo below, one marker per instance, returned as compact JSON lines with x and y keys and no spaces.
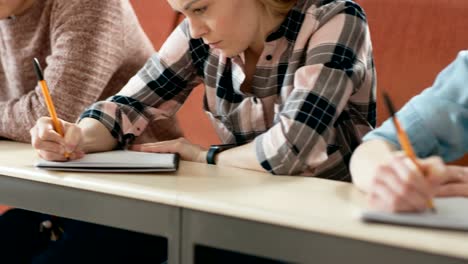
{"x":403,"y":139}
{"x":48,"y":99}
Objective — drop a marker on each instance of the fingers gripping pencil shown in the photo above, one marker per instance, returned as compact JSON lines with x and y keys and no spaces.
{"x":404,"y":139}
{"x":48,"y":99}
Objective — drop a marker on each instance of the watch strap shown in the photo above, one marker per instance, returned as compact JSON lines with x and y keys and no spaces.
{"x":210,"y":156}
{"x":215,"y":149}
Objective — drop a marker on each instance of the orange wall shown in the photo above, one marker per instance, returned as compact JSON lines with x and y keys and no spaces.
{"x":157,"y":19}
{"x":413,"y":41}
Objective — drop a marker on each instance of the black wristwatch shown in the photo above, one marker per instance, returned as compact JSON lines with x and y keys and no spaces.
{"x":215,"y":149}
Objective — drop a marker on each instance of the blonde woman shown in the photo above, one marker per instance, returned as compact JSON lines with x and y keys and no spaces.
{"x":290,"y":84}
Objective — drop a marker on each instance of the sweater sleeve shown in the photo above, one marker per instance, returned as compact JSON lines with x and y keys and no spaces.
{"x":86,"y":50}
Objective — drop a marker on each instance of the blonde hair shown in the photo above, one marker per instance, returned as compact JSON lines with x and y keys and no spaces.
{"x":281,"y":7}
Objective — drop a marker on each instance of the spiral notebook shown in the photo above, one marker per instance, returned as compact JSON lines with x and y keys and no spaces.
{"x":451,"y":213}
{"x":116,"y":161}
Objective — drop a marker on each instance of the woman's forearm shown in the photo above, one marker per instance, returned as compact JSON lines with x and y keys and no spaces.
{"x":240,"y":157}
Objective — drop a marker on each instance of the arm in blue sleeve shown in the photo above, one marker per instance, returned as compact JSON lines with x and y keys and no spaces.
{"x":436,"y":120}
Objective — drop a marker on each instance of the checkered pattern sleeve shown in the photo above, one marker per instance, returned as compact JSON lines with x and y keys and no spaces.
{"x":335,"y":69}
{"x":156,"y":92}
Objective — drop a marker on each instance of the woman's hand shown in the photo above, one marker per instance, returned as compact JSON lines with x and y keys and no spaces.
{"x":186,"y":150}
{"x":399,"y":186}
{"x":52,"y":146}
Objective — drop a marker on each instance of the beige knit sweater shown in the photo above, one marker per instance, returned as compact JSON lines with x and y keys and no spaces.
{"x":89,"y":49}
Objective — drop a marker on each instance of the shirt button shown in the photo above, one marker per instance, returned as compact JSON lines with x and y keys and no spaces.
{"x":269,"y":57}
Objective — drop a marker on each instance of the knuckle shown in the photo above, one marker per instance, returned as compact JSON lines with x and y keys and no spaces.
{"x":51,"y":156}
{"x":46,"y":155}
{"x":398,"y":158}
{"x":178,"y":145}
{"x":438,"y":160}
{"x":32,"y":130}
{"x":41,"y":134}
{"x":376,"y":181}
{"x":36,"y":143}
{"x":39,"y":153}
{"x":396,"y":201}
{"x":43,"y":120}
{"x":406,"y":190}
{"x":450,"y":188}
{"x":410,"y":177}
{"x":383,"y":170}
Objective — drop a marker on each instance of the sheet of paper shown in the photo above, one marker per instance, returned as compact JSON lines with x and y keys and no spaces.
{"x":451,"y":213}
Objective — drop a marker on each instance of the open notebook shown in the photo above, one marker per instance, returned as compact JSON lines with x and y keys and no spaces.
{"x":451,"y":213}
{"x":116,"y":161}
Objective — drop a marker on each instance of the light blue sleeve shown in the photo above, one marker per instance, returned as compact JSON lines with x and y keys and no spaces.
{"x":436,"y":120}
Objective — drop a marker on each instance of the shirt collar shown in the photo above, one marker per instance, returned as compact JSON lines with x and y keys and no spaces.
{"x":290,"y":26}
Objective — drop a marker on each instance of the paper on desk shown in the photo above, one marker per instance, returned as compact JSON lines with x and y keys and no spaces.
{"x":116,"y":161}
{"x":452,"y":213}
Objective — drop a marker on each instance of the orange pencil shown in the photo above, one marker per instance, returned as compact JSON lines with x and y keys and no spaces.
{"x":48,"y":99}
{"x":403,"y":138}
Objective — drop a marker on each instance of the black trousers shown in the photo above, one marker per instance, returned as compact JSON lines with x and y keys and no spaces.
{"x":21,"y":241}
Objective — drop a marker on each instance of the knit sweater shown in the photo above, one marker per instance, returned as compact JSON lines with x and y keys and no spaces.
{"x":89,"y":50}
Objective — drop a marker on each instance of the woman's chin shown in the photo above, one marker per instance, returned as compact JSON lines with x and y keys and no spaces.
{"x":230,"y":53}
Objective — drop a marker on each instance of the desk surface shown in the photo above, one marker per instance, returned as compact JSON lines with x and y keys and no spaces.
{"x":309,"y":204}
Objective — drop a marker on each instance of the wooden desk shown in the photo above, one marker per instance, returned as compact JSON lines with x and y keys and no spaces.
{"x":302,"y":220}
{"x":141,"y":202}
{"x":288,"y":218}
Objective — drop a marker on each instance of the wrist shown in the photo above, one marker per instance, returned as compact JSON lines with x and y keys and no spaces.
{"x":214,"y":151}
{"x":202,"y":156}
{"x":95,"y":137}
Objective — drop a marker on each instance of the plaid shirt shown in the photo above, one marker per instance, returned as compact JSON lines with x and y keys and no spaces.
{"x":312,"y":96}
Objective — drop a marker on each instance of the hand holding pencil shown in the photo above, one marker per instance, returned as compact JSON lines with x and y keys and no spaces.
{"x":47,"y":98}
{"x":404,"y":141}
{"x":402,"y":182}
{"x":60,"y":143}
